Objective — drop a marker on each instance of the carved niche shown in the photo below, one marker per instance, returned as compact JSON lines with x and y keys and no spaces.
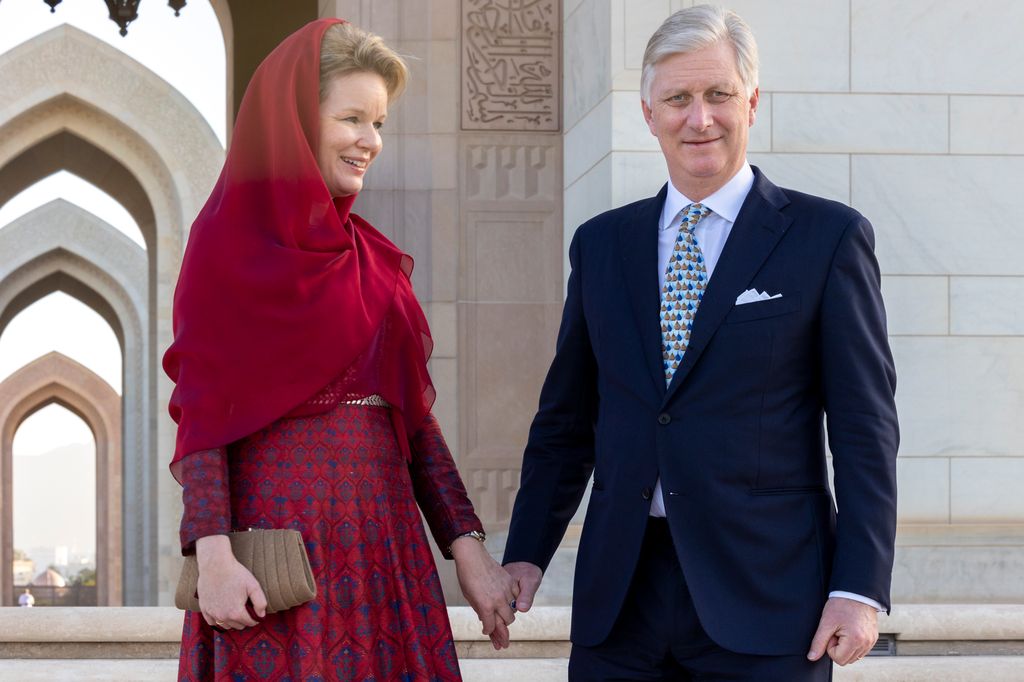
{"x":510,"y":65}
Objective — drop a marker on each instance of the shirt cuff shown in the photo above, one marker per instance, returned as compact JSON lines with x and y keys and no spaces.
{"x":856,"y":597}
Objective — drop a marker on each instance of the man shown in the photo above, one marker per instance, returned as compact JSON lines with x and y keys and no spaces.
{"x":706,"y":332}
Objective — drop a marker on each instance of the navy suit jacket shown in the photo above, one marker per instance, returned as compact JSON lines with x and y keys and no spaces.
{"x":738,"y":437}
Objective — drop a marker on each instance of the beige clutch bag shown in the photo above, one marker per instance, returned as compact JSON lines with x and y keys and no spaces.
{"x":277,"y":559}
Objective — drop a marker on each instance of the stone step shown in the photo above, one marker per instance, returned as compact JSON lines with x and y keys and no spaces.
{"x":890,"y":669}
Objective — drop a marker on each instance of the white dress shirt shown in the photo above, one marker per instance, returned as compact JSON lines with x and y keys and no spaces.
{"x":710,"y":234}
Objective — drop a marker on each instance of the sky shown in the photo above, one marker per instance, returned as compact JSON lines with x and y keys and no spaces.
{"x":187,"y":52}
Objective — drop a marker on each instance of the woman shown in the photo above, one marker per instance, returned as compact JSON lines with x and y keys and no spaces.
{"x":302,"y":395}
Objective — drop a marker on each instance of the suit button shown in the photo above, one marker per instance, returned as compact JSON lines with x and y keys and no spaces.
{"x":646,"y":493}
{"x":664,"y":418}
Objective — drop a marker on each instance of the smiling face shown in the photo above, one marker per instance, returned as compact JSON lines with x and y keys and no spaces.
{"x":351,"y":116}
{"x":701,"y":115}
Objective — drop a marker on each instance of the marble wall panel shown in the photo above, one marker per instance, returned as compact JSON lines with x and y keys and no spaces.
{"x":916,"y":305}
{"x":444,"y":19}
{"x":568,"y":7}
{"x":760,"y":139}
{"x":506,"y":348}
{"x":512,"y":256}
{"x":943,"y":574}
{"x":636,"y":175}
{"x":443,"y":104}
{"x":629,"y":129}
{"x":935,"y":46}
{"x":444,"y":376}
{"x":923,"y":207}
{"x":640,"y":19}
{"x":589,"y":141}
{"x":443,"y":328}
{"x":379,"y":16}
{"x":923,"y":489}
{"x":960,"y":395}
{"x":804,"y":45}
{"x":585,"y":198}
{"x":860,"y":123}
{"x":587,"y":55}
{"x":826,"y":175}
{"x":986,"y":125}
{"x":987,"y":305}
{"x":429,"y":162}
{"x":986,"y":489}
{"x":444,"y":257}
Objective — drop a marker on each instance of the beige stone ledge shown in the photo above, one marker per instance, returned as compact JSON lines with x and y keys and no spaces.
{"x":895,"y":669}
{"x":918,"y":622}
{"x":163,"y":624}
{"x":933,"y":669}
{"x":984,"y":622}
{"x":110,"y":670}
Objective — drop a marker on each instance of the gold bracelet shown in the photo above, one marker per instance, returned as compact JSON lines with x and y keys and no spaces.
{"x":475,"y":534}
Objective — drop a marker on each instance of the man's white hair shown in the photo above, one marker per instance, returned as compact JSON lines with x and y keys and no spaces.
{"x":695,"y":28}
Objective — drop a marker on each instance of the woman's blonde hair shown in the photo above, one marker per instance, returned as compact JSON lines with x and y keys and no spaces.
{"x":346,"y":49}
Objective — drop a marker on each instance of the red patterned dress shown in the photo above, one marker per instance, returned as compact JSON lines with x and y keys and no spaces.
{"x":341,"y":479}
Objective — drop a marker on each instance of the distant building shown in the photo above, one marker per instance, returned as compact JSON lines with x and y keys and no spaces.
{"x":49,"y":578}
{"x":24,"y":569}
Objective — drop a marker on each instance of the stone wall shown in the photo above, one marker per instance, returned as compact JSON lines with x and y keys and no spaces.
{"x":911,"y":113}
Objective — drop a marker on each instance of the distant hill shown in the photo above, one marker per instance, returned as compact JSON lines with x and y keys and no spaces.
{"x":54,"y":496}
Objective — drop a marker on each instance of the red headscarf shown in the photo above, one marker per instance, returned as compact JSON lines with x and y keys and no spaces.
{"x":281,"y":289}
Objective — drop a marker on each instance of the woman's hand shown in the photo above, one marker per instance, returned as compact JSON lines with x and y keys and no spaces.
{"x":489,"y":589}
{"x":225,"y":586}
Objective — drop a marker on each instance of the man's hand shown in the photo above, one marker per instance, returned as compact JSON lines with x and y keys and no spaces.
{"x":528,"y":576}
{"x":847,"y":631}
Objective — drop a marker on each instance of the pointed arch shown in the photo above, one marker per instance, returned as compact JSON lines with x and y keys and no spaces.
{"x":119,"y":126}
{"x":53,"y":247}
{"x":60,"y":247}
{"x":56,"y":378}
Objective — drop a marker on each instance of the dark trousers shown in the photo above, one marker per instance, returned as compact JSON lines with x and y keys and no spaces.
{"x":658,"y":636}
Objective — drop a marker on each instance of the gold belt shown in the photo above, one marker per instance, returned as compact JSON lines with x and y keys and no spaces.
{"x":371,"y":400}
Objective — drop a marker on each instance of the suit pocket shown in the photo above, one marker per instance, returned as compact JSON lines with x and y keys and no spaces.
{"x":763,"y":309}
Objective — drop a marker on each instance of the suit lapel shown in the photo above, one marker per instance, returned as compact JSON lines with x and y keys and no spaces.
{"x":638,"y":245}
{"x":758,"y":228}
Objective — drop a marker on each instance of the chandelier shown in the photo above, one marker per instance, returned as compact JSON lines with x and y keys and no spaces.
{"x":124,"y":12}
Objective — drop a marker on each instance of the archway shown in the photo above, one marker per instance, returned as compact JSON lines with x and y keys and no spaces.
{"x":55,"y":378}
{"x":118,"y":126}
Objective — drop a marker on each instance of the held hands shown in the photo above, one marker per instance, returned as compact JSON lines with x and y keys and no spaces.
{"x":528,"y":576}
{"x":847,"y":631}
{"x":225,"y":586}
{"x":487,"y":587}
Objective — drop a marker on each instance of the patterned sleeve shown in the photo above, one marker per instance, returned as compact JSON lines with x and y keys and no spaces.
{"x":204,"y":476}
{"x":439,"y":489}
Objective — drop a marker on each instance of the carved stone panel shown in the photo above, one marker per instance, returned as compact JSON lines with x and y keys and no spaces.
{"x":509,"y":172}
{"x":510,"y":65}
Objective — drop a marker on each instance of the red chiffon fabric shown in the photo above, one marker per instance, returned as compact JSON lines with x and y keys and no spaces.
{"x":281,"y":288}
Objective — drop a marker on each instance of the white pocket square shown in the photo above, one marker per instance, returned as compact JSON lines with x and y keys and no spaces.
{"x":754,"y":296}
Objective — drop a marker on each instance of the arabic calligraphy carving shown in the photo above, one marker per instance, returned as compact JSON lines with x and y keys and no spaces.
{"x":510,"y":61}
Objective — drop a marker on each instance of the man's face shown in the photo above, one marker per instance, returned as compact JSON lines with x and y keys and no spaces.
{"x":701,"y":115}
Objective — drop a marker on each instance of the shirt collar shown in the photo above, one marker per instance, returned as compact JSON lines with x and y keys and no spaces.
{"x":726,"y":202}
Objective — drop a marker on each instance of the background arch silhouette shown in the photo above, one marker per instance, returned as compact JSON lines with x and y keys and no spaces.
{"x":55,"y":378}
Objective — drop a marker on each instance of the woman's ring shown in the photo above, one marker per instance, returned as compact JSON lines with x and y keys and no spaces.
{"x":512,"y":604}
{"x":219,"y":623}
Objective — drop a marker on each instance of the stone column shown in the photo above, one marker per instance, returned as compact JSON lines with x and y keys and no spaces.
{"x":468,"y":183}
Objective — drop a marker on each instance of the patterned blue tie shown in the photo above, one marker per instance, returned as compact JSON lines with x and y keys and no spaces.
{"x":685,"y":280}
